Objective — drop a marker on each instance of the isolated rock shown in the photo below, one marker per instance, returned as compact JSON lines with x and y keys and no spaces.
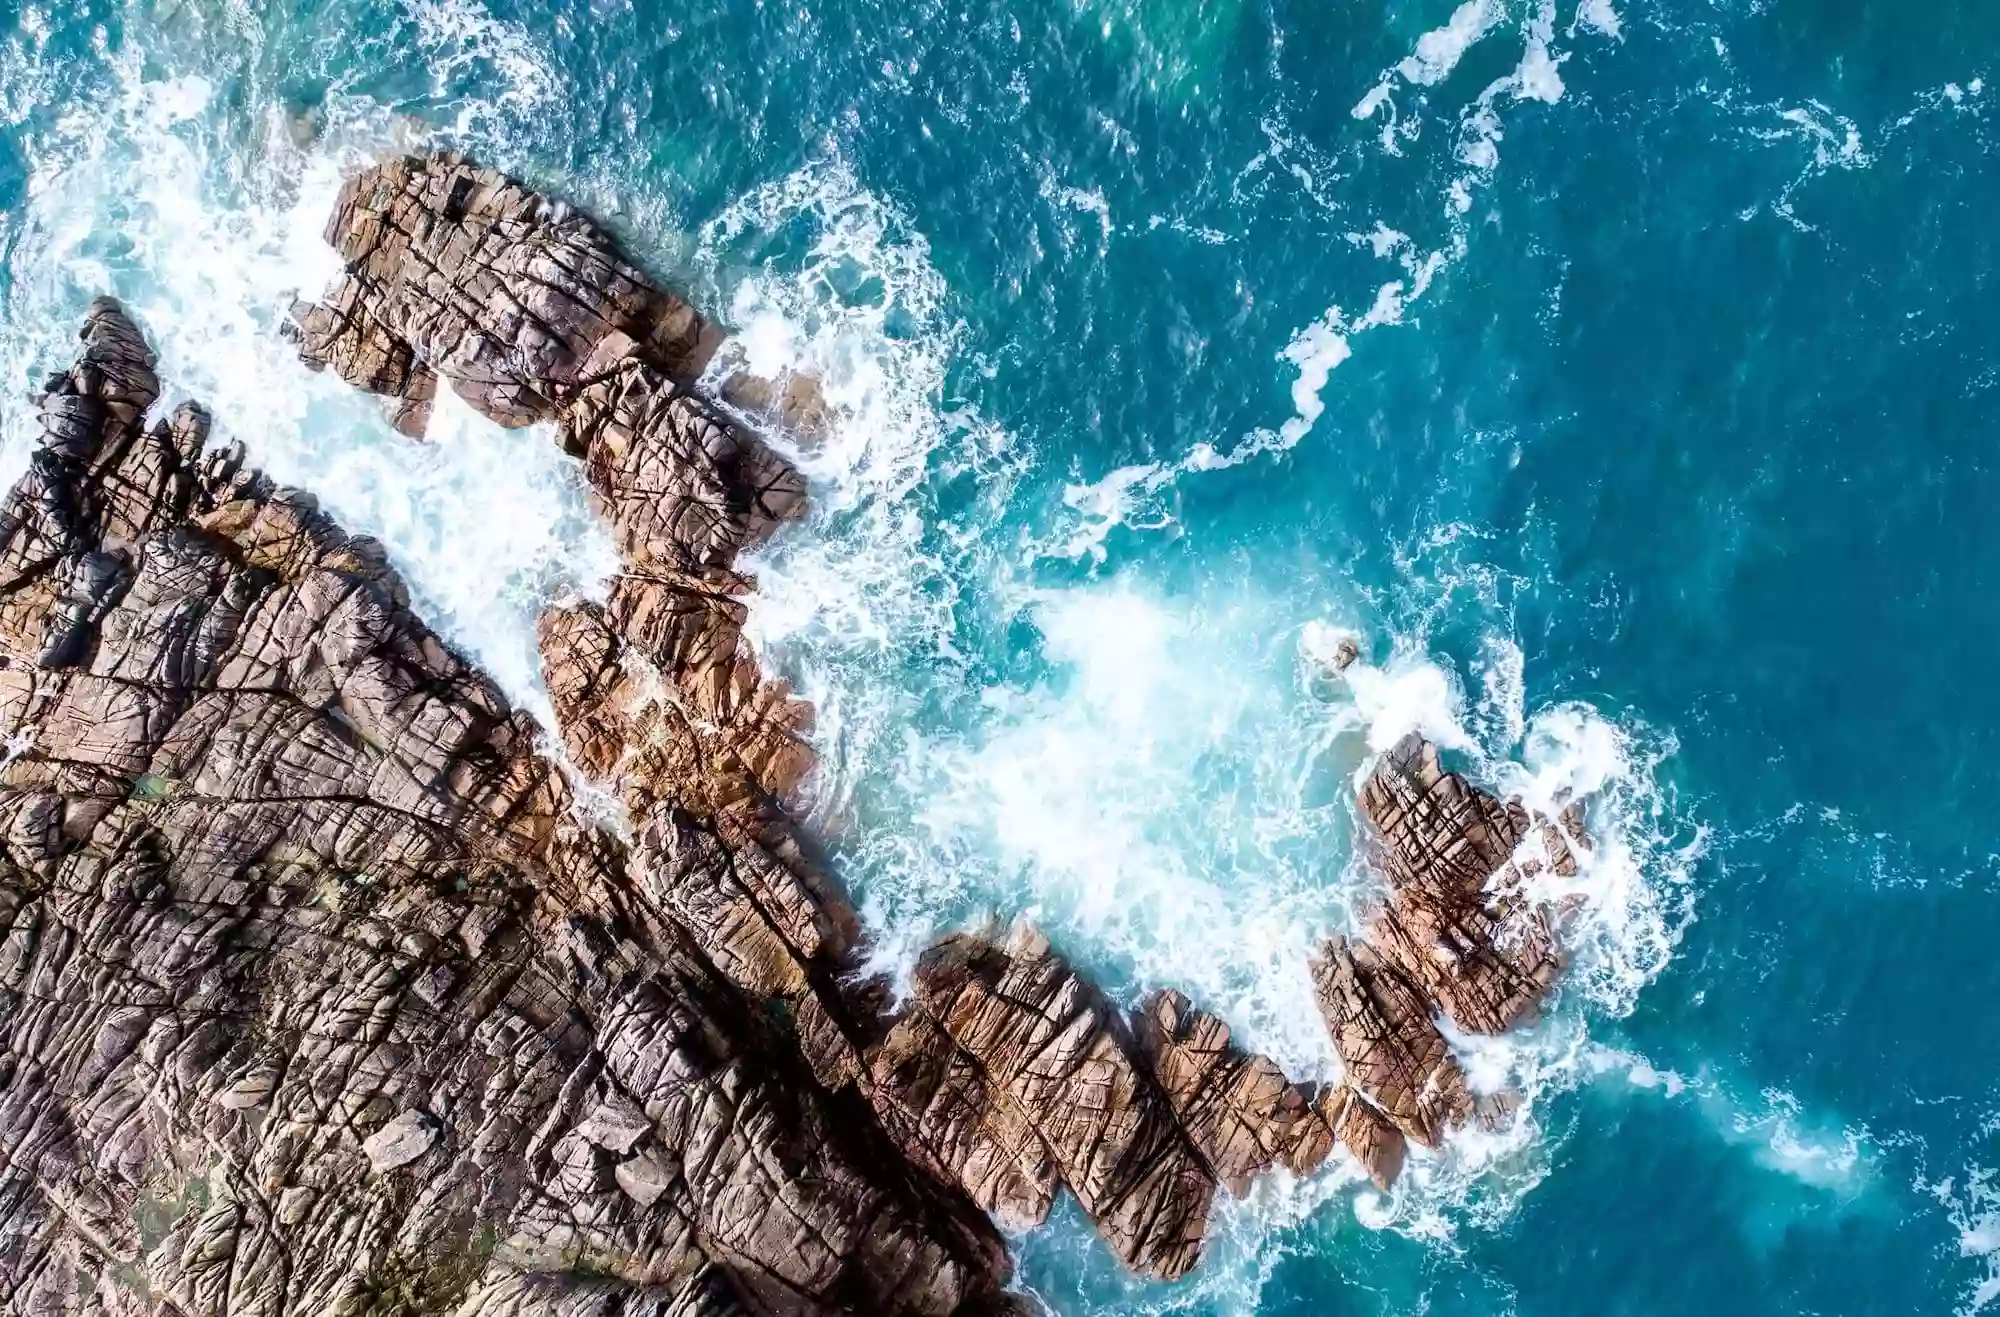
{"x":1460,"y":932}
{"x":1456,"y":923}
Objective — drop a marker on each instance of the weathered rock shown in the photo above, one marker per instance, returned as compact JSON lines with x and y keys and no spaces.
{"x":617,"y":1124}
{"x":1052,"y":1052}
{"x":1460,"y":933}
{"x":1365,"y":1132}
{"x":1456,"y":923}
{"x":1394,"y":1054}
{"x":459,"y":272}
{"x":1239,"y":1111}
{"x":287,"y":897}
{"x":401,"y":1141}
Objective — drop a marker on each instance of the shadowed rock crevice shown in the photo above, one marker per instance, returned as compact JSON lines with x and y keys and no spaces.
{"x":315,"y":997}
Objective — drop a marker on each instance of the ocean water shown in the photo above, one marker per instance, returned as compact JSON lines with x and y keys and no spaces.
{"x":1622,"y":373}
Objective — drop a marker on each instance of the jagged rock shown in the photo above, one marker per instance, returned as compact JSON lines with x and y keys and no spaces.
{"x":459,"y":272}
{"x":1365,"y":1132}
{"x":287,"y":896}
{"x":1382,"y":1029}
{"x":1460,"y":932}
{"x":617,"y":1124}
{"x":1240,"y":1112}
{"x":1456,"y":923}
{"x":401,"y":1141}
{"x":657,"y":694}
{"x":1052,"y":1056}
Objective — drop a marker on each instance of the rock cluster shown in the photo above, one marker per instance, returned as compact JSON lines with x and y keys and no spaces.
{"x":1459,"y":933}
{"x":317,"y":993}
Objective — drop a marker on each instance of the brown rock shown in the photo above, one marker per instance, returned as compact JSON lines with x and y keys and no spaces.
{"x":460,"y":272}
{"x":1238,"y":1109}
{"x":1051,"y":1053}
{"x":1394,"y":1055}
{"x":1455,"y":923}
{"x":1365,"y":1132}
{"x":286,"y":895}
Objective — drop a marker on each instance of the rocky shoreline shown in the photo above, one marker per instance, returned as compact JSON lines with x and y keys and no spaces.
{"x":321,"y":995}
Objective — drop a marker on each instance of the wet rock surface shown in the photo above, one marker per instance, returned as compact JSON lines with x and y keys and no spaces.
{"x":1459,"y":933}
{"x":321,"y":993}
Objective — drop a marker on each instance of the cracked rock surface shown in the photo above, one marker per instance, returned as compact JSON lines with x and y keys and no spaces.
{"x":1460,"y":934}
{"x":315,"y":998}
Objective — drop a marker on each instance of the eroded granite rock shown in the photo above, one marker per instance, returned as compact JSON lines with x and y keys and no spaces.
{"x":1460,"y":933}
{"x":1047,"y":1058}
{"x":658,"y":697}
{"x":287,"y":897}
{"x":458,"y":272}
{"x":1457,"y":922}
{"x":1237,"y":1109}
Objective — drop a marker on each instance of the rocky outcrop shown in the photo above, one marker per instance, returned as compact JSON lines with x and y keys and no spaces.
{"x":1458,"y":932}
{"x":463,"y":273}
{"x":320,"y":992}
{"x":315,"y":996}
{"x":1010,"y":1074}
{"x":1458,"y":923}
{"x":982,"y":1086}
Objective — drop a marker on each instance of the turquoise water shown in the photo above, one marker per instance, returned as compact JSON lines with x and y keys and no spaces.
{"x":1658,"y":468}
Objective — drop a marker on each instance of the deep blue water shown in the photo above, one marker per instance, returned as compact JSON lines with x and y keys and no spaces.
{"x":1666,"y":466}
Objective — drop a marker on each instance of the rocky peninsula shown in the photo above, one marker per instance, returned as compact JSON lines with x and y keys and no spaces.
{"x":320,"y":994}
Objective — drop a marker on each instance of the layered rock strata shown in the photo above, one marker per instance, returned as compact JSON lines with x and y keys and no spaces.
{"x":318,"y":993}
{"x":315,"y":996}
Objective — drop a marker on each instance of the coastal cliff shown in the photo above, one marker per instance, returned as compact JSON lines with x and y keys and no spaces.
{"x":321,"y":994}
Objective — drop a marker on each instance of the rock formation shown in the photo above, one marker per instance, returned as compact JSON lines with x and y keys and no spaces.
{"x":1458,"y":933}
{"x":315,"y":996}
{"x":985,"y":1078}
{"x":319,"y":994}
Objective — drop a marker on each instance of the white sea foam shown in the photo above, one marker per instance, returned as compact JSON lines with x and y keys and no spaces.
{"x":205,"y":227}
{"x":1439,"y":50}
{"x":1775,"y":1128}
{"x":1316,"y":350}
{"x":1970,"y":1202}
{"x":1597,"y":16}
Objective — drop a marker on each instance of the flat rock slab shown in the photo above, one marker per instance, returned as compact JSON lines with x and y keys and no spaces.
{"x":400,"y":1142}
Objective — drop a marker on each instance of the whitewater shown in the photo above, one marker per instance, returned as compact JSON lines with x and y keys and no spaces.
{"x":1070,"y":647}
